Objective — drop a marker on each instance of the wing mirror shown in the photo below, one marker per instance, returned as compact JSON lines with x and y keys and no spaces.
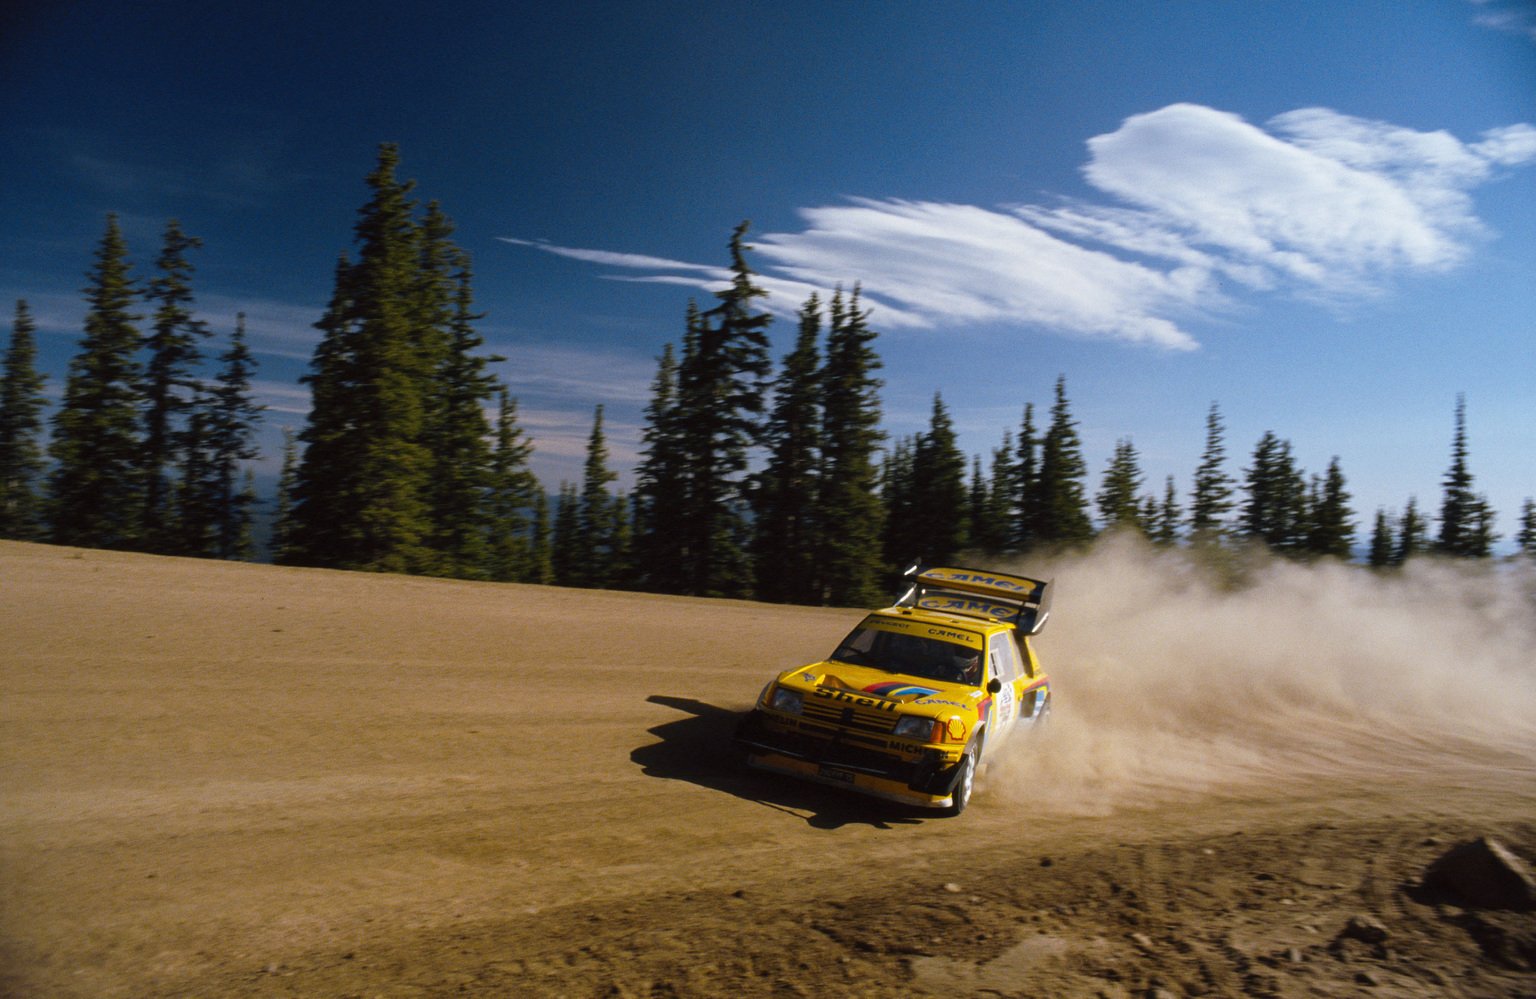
{"x":994,"y":685}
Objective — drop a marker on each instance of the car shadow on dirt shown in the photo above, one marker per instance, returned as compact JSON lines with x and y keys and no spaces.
{"x":698,"y":748}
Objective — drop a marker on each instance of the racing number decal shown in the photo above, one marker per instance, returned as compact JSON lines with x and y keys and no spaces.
{"x":1007,"y":705}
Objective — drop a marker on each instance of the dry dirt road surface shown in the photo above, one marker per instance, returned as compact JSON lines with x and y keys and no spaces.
{"x":221,"y":779}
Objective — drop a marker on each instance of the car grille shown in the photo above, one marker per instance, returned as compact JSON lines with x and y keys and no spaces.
{"x":854,"y":718}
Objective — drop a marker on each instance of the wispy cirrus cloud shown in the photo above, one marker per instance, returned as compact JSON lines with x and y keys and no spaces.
{"x":1201,"y":205}
{"x":1515,"y":16}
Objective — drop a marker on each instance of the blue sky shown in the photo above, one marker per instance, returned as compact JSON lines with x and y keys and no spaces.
{"x":1321,"y":216}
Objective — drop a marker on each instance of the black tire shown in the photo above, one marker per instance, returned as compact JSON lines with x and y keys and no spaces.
{"x":965,"y":783}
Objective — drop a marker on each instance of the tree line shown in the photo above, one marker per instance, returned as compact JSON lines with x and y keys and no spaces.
{"x":148,"y":450}
{"x":780,"y":487}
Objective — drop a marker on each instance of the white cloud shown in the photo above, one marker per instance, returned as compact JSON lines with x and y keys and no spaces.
{"x":1514,"y":16}
{"x":563,"y":372}
{"x":1317,"y":204}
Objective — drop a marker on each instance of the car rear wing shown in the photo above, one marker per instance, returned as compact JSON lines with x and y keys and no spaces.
{"x":979,"y":593}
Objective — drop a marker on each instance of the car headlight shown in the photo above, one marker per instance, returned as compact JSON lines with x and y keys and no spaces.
{"x":913,"y":727}
{"x":788,"y":701}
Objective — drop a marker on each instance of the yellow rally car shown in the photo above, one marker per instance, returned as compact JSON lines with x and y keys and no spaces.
{"x":917,"y":696}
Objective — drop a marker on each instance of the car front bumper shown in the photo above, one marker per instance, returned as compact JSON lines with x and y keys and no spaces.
{"x":852,"y":760}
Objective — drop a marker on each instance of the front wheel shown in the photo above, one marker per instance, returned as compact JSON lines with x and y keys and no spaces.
{"x":964,"y":784}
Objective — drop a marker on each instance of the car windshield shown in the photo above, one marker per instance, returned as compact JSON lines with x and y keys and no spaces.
{"x":911,"y":655}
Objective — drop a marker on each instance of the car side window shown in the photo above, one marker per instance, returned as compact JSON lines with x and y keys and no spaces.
{"x":1004,"y":657}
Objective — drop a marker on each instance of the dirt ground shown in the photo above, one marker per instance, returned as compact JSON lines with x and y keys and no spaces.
{"x":234,"y":780}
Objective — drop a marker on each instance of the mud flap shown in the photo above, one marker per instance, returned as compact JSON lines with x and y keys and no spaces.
{"x":931,"y":778}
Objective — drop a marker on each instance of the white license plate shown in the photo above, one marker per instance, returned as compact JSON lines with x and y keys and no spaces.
{"x":833,"y":773}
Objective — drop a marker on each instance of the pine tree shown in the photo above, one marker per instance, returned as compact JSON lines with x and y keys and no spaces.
{"x":456,"y":433}
{"x":512,"y":492}
{"x":361,"y":499}
{"x":993,"y":528}
{"x":1276,"y":509}
{"x":1332,"y":527}
{"x":939,"y":519}
{"x":1058,"y":499}
{"x":620,"y":573}
{"x":1117,"y":499}
{"x":1030,"y":528}
{"x":196,"y":517}
{"x":231,"y":433}
{"x":1413,"y":534}
{"x":21,"y":452}
{"x":587,"y":560}
{"x":786,"y":539}
{"x":1165,"y":525}
{"x":543,"y":542}
{"x":976,"y":504}
{"x":660,"y":482}
{"x":720,"y":398}
{"x":169,"y":384}
{"x":282,"y":508}
{"x":97,"y":486}
{"x":901,"y":539}
{"x":1211,"y":499}
{"x":1380,"y":554}
{"x":1459,"y":513}
{"x":563,"y":545}
{"x":849,"y":512}
{"x":1526,"y":538}
{"x":1480,"y":542}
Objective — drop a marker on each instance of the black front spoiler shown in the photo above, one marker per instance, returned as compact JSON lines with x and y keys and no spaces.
{"x":925,"y":775}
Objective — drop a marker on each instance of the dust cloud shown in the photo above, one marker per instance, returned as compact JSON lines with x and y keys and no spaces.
{"x":1169,"y":680}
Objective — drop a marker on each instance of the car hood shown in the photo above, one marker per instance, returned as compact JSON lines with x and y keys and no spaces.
{"x":870,"y":682}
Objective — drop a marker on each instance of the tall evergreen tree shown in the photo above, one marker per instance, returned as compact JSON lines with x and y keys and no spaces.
{"x":21,"y":424}
{"x":1276,"y":509}
{"x":619,"y":573}
{"x":1030,"y":527}
{"x":361,"y":500}
{"x":231,"y":440}
{"x":849,"y":513}
{"x":1461,"y":518}
{"x":1413,"y":533}
{"x":169,"y":386}
{"x":992,"y":529}
{"x":1118,"y":504}
{"x":1058,"y":499}
{"x":786,"y":537}
{"x":1211,"y":500}
{"x":976,"y":504}
{"x":456,"y":434}
{"x":901,"y":538}
{"x":512,"y":492}
{"x":1526,"y":537}
{"x":543,"y":541}
{"x":1379,"y":555}
{"x":1164,"y":527}
{"x":196,"y":517}
{"x":938,"y":524}
{"x":1480,"y":544}
{"x":97,"y":485}
{"x":591,"y":548}
{"x":282,"y":507}
{"x":721,"y":383}
{"x":1332,"y":526}
{"x":660,"y":496}
{"x":563,"y":544}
